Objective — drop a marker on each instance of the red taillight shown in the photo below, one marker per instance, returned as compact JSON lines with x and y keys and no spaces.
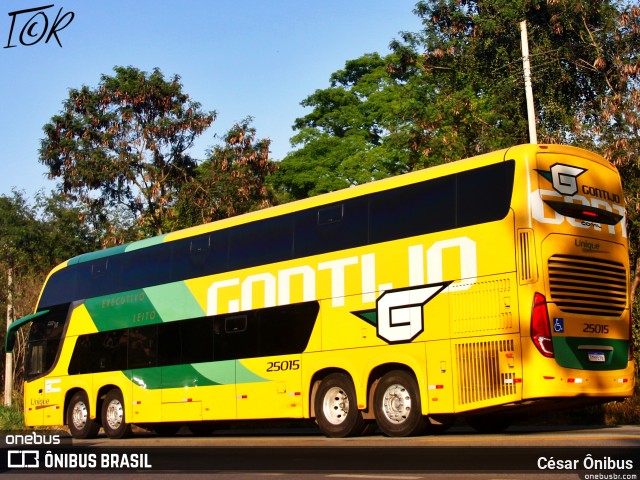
{"x":540,"y":326}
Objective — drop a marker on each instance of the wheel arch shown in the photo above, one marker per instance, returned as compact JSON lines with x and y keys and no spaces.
{"x":374,"y":377}
{"x":67,"y":400}
{"x":315,"y":383}
{"x":102,"y":393}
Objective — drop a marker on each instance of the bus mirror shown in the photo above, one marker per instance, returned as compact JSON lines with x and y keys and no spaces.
{"x":10,"y":339}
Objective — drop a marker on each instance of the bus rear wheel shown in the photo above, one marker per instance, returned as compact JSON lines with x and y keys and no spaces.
{"x":113,"y":419}
{"x":397,"y":405}
{"x":78,"y":420}
{"x":336,"y":407}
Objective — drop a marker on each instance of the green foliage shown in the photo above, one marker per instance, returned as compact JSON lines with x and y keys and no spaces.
{"x":11,"y":418}
{"x":231,"y":181}
{"x":35,"y":238}
{"x":455,"y":89}
{"x":356,"y":133}
{"x":124,"y":144}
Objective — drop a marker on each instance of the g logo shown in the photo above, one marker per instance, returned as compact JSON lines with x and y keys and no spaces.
{"x":400,"y":312}
{"x":563,"y":178}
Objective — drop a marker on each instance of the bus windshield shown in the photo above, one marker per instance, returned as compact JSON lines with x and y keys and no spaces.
{"x":43,"y":344}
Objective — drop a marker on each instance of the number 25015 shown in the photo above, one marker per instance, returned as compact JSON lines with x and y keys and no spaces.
{"x":283,"y":366}
{"x":595,"y":328}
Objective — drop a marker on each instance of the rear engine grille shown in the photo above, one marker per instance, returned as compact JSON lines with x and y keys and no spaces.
{"x":587,"y":286}
{"x":480,"y":376}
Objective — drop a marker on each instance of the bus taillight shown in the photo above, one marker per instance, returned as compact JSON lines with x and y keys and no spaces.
{"x":540,"y":327}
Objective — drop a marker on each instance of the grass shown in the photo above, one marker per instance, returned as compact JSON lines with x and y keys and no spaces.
{"x":12,"y":418}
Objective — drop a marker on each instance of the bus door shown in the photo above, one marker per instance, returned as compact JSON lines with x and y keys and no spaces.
{"x":43,"y":395}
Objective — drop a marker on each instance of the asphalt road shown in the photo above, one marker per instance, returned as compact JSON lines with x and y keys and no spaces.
{"x":521,"y":452}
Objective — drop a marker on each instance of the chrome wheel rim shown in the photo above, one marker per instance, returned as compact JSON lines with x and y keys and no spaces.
{"x":79,"y":415}
{"x":396,"y":404}
{"x":335,"y":405}
{"x":115,"y":414}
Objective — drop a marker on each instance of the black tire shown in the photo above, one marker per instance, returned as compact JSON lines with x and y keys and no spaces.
{"x":78,"y":420}
{"x":336,"y":407}
{"x":397,"y":405}
{"x":113,"y":416}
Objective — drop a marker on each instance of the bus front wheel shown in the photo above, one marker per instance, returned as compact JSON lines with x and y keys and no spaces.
{"x":113,"y":419}
{"x":336,"y":407}
{"x":78,"y":420}
{"x":397,"y":405}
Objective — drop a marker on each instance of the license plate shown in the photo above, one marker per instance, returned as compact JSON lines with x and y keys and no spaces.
{"x":597,"y":357}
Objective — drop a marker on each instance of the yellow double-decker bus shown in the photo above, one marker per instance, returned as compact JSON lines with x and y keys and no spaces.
{"x":483,"y":287}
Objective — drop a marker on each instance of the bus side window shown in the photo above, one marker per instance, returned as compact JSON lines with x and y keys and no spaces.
{"x":144,"y":267}
{"x":142,"y":348}
{"x":197,"y":340}
{"x":334,"y":227}
{"x":169,"y":344}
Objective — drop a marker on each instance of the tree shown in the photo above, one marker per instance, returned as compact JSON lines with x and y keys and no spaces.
{"x":454,"y":89}
{"x":17,"y":233}
{"x":231,"y":181}
{"x":33,"y":239}
{"x":125,"y":144}
{"x":356,"y":133}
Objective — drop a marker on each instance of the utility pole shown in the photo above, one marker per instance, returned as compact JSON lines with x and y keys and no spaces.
{"x":531,"y":114}
{"x":8,"y":366}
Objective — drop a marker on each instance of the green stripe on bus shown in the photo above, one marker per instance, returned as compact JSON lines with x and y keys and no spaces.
{"x":88,"y":257}
{"x":108,"y":252}
{"x":226,"y":372}
{"x":137,"y":308}
{"x":147,"y":242}
{"x":174,"y":301}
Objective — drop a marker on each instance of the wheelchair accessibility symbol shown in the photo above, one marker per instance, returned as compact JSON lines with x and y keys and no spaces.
{"x":558,"y":325}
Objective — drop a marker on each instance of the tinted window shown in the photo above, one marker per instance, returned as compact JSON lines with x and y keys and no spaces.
{"x":98,"y":277}
{"x":169,"y":343}
{"x":147,"y":266}
{"x":463,"y":199}
{"x":199,"y":256}
{"x":259,"y":243}
{"x":413,"y":210}
{"x":44,"y":342}
{"x":196,"y":337}
{"x":143,"y":347}
{"x":286,"y":331}
{"x":60,"y":289}
{"x":266,"y":332}
{"x":332,"y":227}
{"x":100,"y":352}
{"x":484,"y":194}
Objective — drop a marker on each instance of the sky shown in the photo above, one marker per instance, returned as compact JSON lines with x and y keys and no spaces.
{"x":251,"y":58}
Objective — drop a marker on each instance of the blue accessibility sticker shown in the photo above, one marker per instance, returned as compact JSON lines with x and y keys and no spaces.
{"x":558,"y":325}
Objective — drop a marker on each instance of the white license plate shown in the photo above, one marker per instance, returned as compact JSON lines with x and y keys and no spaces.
{"x":597,"y":357}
